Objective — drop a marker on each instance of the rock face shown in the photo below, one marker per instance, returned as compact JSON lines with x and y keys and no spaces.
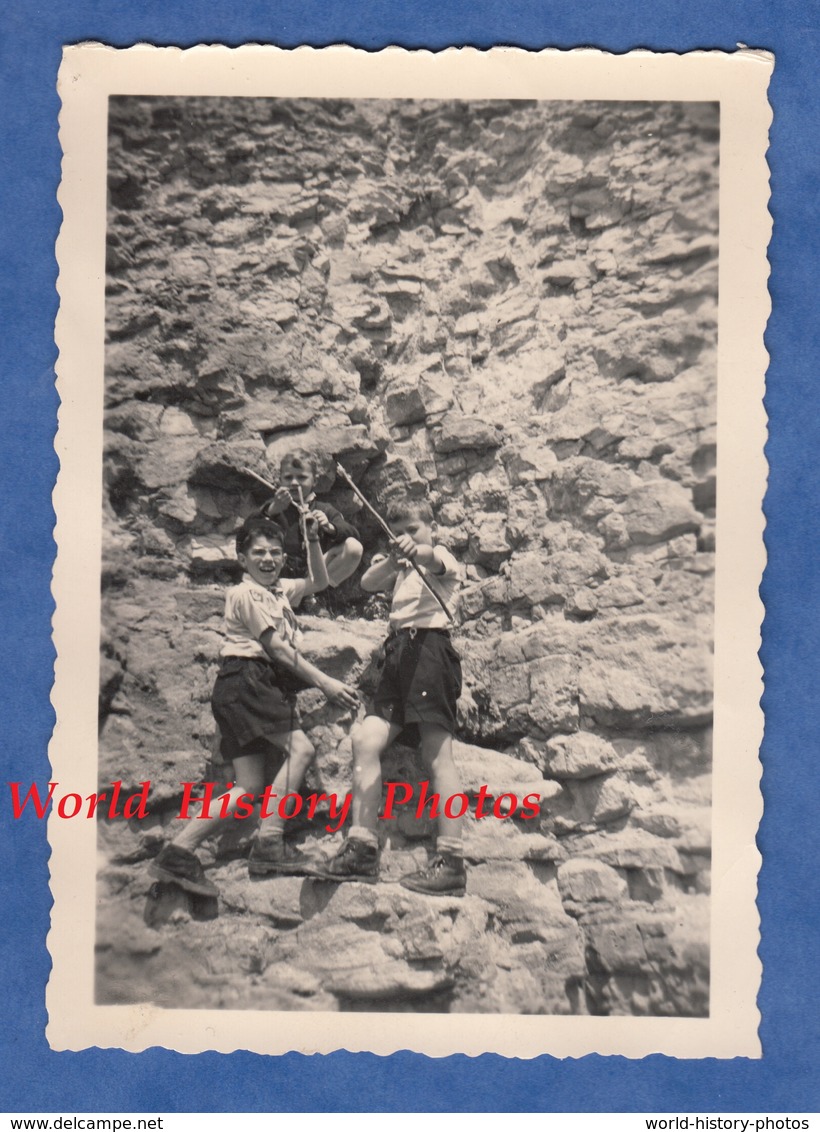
{"x":507,"y":307}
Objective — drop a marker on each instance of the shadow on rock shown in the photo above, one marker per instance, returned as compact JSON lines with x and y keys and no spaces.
{"x":164,"y":900}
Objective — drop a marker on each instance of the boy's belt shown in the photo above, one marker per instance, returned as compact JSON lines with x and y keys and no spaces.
{"x":413,"y":630}
{"x":287,"y":681}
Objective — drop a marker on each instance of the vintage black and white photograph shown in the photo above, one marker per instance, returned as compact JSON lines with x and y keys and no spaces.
{"x":409,"y":527}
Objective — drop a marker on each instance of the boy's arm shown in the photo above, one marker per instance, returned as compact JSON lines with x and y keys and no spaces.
{"x":335,"y":525}
{"x":275,"y":506}
{"x":380,"y":575}
{"x":285,"y":655}
{"x":430,"y":558}
{"x":301,"y":587}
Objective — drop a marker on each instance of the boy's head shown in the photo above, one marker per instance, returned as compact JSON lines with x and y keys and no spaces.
{"x":412,"y":517}
{"x":299,"y":469}
{"x":260,"y":549}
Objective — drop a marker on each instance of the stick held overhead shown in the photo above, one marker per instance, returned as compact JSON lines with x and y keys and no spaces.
{"x":303,"y":529}
{"x":260,"y":479}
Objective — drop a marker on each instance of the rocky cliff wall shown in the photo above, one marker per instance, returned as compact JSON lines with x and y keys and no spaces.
{"x":511,"y":308}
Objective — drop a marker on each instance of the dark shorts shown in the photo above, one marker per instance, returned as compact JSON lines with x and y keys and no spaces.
{"x":253,"y":701}
{"x":420,"y":681}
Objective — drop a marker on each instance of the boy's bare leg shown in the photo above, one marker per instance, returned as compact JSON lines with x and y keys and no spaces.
{"x":341,"y":561}
{"x":358,"y":857}
{"x":269,"y":854}
{"x":445,"y":875}
{"x":437,"y":756}
{"x":249,"y":773}
{"x":299,"y":752}
{"x":370,"y":740}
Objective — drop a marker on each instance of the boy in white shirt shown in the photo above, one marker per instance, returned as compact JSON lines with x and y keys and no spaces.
{"x":254,"y":702}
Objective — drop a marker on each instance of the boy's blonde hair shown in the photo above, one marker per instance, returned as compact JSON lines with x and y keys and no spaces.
{"x":302,"y":458}
{"x":400,"y":509}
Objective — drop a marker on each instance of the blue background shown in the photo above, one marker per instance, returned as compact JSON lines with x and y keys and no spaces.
{"x":33,"y":1078}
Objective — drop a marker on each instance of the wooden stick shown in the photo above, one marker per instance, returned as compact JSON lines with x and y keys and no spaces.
{"x":340,"y":471}
{"x":303,"y":528}
{"x":261,"y":479}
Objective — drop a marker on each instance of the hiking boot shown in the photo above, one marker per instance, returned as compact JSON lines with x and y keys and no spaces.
{"x":356,"y":860}
{"x":445,"y":875}
{"x":178,"y":866}
{"x":273,"y":857}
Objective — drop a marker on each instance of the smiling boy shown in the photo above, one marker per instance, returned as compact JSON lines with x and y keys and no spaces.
{"x":420,"y":684}
{"x":254,"y":702}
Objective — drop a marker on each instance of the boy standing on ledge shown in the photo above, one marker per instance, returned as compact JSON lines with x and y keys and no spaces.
{"x":420,"y":684}
{"x":254,"y":703}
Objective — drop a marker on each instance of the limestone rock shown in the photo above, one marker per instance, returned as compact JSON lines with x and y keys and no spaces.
{"x":345,"y":442}
{"x":407,"y":961}
{"x":412,"y":398}
{"x":582,"y":603}
{"x":532,"y":581}
{"x":658,"y":511}
{"x":277,"y":411}
{"x":396,"y":477}
{"x":636,"y":960}
{"x":688,"y":827}
{"x":554,"y":703}
{"x":527,"y":463}
{"x":500,"y":773}
{"x":582,"y":755}
{"x":564,"y":273}
{"x":458,"y":432}
{"x":583,"y":881}
{"x":591,"y":802}
{"x":341,"y":648}
{"x":489,"y":546}
{"x":669,"y":684}
{"x":631,"y":849}
{"x":493,"y":840}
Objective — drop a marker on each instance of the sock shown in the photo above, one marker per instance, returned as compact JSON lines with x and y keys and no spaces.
{"x":362,"y":833}
{"x":274,"y":833}
{"x":450,"y":846}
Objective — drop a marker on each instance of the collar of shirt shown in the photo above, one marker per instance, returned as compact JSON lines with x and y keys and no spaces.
{"x":276,"y":588}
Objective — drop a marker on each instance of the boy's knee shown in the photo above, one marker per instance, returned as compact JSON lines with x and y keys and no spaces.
{"x":436,"y":744}
{"x":302,"y":749}
{"x":353,"y":549}
{"x":342,"y":560}
{"x":249,"y":784}
{"x":367,"y":745}
{"x":434,"y":735}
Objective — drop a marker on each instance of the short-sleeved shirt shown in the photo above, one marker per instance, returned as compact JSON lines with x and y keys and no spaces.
{"x":251,"y":609}
{"x":413,"y":606}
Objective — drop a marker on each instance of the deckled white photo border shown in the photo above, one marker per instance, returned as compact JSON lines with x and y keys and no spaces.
{"x":92,"y":72}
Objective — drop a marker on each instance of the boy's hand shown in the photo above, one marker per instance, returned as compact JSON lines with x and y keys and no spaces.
{"x":335,"y":692}
{"x":312,"y":525}
{"x":280,"y":502}
{"x":404,"y":547}
{"x":419,"y":554}
{"x":323,"y":521}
